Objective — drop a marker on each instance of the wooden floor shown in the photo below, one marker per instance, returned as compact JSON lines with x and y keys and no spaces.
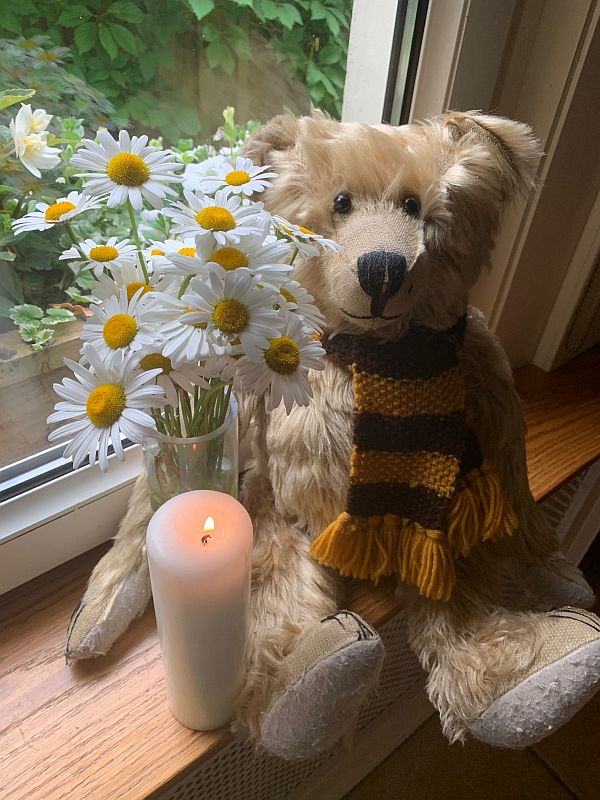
{"x":565,"y":766}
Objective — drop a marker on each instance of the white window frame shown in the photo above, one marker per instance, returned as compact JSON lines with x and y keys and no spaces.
{"x":46,"y":526}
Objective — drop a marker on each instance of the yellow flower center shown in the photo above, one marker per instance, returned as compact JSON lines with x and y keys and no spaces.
{"x":47,"y":56}
{"x":307,"y":231}
{"x":215,"y":218}
{"x":34,"y":143}
{"x":288,"y":296}
{"x":187,"y":251}
{"x":156,"y":360}
{"x":283,"y":355}
{"x":119,"y":330}
{"x":133,"y":287}
{"x":157,"y":252}
{"x":231,"y":316}
{"x":229,"y":258}
{"x":56,"y":210}
{"x":105,"y":404}
{"x":237,"y":178}
{"x":127,"y":169}
{"x":103,"y":253}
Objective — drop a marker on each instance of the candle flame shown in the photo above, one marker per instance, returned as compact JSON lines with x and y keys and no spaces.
{"x":209,"y":525}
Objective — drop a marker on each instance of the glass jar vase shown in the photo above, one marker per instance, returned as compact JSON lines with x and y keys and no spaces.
{"x":175,"y":465}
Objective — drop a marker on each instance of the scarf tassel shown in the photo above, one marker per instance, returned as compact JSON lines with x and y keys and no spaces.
{"x":479,"y":511}
{"x":373,"y":547}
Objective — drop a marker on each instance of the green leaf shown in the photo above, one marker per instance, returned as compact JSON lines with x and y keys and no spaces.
{"x":4,"y":188}
{"x":9,"y":97}
{"x":85,"y":37}
{"x":24,"y":7}
{"x":123,"y":37}
{"x":270,"y":9}
{"x":76,"y":296}
{"x":330,"y":54}
{"x":7,"y":255}
{"x":29,"y":332}
{"x":219,"y":55}
{"x":107,"y":41}
{"x":201,"y":8}
{"x":10,"y":22}
{"x":72,"y":16}
{"x":317,"y":10}
{"x":55,"y":316}
{"x":42,"y":338}
{"x":127,"y":11}
{"x":26,"y":314}
{"x":289,"y":15}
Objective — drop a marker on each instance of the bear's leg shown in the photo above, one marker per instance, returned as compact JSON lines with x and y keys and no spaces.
{"x":509,"y":678}
{"x":119,"y":587}
{"x":309,"y":667}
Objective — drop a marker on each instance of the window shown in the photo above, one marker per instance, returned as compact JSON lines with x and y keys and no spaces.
{"x":169,"y":69}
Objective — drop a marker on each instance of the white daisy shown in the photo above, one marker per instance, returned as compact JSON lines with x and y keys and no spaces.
{"x":96,"y":256}
{"x":121,"y":325}
{"x":195,"y":173}
{"x":238,"y":310}
{"x":129,"y":169}
{"x":105,"y":402}
{"x":47,"y":216}
{"x":185,"y":376}
{"x":173,"y":256}
{"x":282,"y":368}
{"x":222,"y":218}
{"x":243,"y":178}
{"x":28,"y":130}
{"x":303,"y":238}
{"x":300,"y":303}
{"x":254,"y":253}
{"x":131,"y":277}
{"x":185,"y":338}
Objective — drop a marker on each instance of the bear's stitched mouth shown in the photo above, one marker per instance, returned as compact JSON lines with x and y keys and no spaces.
{"x":369,"y":316}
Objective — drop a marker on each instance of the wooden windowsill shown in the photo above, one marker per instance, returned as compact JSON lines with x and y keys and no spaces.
{"x":101,"y":729}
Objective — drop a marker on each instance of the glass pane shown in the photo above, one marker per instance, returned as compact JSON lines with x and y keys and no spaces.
{"x":198,"y":75}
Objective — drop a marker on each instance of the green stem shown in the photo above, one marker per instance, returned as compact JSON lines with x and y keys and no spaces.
{"x":71,"y":234}
{"x":294,"y":254}
{"x":184,"y":284}
{"x":138,"y":241}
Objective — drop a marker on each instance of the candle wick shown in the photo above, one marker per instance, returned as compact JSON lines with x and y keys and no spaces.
{"x":204,"y":539}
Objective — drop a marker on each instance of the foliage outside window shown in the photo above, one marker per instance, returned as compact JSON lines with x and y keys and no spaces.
{"x":167,"y":68}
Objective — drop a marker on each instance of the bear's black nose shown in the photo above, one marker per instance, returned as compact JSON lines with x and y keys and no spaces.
{"x":380,"y":275}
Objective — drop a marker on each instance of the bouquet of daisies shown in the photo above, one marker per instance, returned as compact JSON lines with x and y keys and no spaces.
{"x":179,"y":322}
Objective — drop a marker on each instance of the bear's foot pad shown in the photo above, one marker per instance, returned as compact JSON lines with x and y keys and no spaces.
{"x":329,"y":674}
{"x":563,"y":677}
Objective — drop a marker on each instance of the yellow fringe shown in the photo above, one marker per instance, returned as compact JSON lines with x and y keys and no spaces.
{"x":373,"y":547}
{"x":479,"y":511}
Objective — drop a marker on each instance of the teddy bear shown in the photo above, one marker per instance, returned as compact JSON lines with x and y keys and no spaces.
{"x":409,"y":461}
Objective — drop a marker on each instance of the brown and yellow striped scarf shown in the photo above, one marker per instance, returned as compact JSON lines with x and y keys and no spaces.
{"x":420,"y":494}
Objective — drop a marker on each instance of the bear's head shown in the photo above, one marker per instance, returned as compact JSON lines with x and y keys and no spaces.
{"x":415,"y":209}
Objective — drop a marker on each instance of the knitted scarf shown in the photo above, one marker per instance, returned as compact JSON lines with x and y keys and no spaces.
{"x":420,"y":494}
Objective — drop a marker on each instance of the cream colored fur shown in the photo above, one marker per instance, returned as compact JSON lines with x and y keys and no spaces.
{"x":463,"y":168}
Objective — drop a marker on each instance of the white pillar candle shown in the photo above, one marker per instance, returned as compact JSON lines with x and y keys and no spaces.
{"x":200,"y":554}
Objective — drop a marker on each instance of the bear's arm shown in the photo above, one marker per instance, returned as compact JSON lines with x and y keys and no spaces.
{"x":309,"y":451}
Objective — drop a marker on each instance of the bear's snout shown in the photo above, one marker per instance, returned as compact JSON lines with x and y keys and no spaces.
{"x":380,"y":274}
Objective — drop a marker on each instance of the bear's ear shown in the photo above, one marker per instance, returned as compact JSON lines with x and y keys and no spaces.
{"x":512,"y":147}
{"x":278,"y":134}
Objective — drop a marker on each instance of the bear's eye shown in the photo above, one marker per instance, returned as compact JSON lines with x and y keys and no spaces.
{"x":411,"y":206}
{"x":342,"y":203}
